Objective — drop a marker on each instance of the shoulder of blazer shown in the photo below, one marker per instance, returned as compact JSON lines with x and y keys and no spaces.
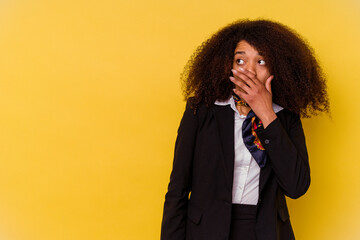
{"x":201,"y":111}
{"x":287,"y":118}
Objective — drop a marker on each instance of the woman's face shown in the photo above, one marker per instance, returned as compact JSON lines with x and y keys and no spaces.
{"x":247,"y":57}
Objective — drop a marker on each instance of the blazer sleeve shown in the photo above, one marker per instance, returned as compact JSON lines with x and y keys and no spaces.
{"x":287,"y":154}
{"x":176,"y":199}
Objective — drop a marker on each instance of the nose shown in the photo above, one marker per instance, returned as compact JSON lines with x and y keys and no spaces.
{"x":251,"y":67}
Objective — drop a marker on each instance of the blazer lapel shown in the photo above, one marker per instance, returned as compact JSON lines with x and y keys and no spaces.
{"x":224,"y":117}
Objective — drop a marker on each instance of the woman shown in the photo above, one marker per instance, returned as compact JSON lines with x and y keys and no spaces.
{"x":241,"y":147}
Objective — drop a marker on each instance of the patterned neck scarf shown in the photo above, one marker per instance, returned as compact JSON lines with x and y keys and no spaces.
{"x":251,"y":140}
{"x":239,"y":101}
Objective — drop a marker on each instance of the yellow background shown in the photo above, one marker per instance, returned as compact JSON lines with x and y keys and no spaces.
{"x":90,"y":103}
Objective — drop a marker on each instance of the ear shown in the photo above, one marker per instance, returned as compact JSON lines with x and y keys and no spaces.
{"x":268,"y":83}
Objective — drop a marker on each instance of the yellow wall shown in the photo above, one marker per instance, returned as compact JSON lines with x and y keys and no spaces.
{"x":90,"y":103}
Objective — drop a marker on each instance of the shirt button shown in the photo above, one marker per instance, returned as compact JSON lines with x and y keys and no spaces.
{"x":267,"y":141}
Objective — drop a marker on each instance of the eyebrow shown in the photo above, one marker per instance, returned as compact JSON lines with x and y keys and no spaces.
{"x":242,"y":52}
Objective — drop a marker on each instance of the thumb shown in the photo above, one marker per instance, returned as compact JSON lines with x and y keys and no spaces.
{"x":268,"y":83}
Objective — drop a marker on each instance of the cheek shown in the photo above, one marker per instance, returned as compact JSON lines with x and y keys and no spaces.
{"x":262,"y":75}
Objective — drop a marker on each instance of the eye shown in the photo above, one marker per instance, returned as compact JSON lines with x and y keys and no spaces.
{"x":239,"y":61}
{"x":261,"y":62}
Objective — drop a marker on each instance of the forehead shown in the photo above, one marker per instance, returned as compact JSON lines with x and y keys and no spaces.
{"x":243,"y":47}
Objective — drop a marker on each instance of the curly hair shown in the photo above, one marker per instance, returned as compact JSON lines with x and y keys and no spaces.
{"x":299,"y":84}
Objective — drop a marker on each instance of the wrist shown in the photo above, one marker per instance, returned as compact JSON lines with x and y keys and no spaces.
{"x":268,"y":118}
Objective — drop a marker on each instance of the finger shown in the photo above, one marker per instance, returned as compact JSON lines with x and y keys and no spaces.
{"x":268,"y":83}
{"x":241,"y":94}
{"x":249,"y":74}
{"x":239,"y":83}
{"x":244,"y":77}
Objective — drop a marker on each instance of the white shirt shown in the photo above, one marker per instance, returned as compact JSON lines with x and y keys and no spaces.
{"x":246,"y":170}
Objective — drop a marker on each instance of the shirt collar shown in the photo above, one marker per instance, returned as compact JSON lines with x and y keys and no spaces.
{"x":230,"y":101}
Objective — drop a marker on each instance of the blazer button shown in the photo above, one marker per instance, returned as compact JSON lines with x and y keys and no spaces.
{"x":267,"y":141}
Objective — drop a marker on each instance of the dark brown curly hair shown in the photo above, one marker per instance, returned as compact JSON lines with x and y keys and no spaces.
{"x":299,"y":84}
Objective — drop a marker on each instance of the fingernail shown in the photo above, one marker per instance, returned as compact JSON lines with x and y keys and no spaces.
{"x":241,"y":69}
{"x":233,"y":70}
{"x":234,"y":89}
{"x":232,"y":78}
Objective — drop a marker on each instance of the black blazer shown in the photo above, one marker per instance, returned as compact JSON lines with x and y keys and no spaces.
{"x":199,"y":198}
